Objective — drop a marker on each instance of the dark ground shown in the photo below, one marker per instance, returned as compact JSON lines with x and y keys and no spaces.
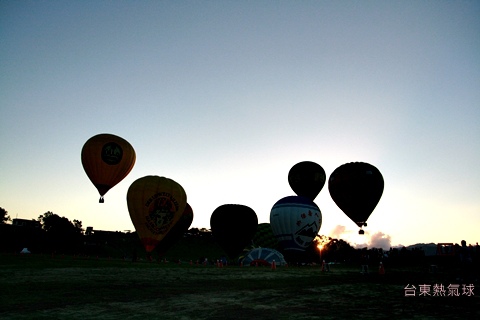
{"x":39,"y":286}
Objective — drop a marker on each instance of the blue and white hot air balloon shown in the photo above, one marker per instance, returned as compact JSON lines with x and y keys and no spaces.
{"x":295,"y":222}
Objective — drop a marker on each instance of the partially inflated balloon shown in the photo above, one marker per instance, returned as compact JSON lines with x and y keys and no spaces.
{"x":263,"y":257}
{"x":356,"y":188}
{"x":177,"y":231}
{"x":155,"y":205}
{"x":295,"y":222}
{"x":307,"y":179}
{"x":107,"y":159}
{"x":233,"y":227}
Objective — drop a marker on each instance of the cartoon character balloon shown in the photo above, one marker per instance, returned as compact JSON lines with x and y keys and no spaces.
{"x":107,"y":159}
{"x":155,"y":205}
{"x":356,"y":188}
{"x":307,"y":179}
{"x":233,"y":227}
{"x":295,"y":222}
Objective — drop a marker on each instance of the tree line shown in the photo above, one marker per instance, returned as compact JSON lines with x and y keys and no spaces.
{"x":52,"y":233}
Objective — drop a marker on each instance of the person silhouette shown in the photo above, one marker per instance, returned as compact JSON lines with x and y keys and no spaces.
{"x":465,"y":262}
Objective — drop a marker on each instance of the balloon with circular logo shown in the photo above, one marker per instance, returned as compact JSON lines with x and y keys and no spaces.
{"x":155,"y":205}
{"x":295,"y":222}
{"x":307,"y":179}
{"x":356,"y":188}
{"x":107,"y":159}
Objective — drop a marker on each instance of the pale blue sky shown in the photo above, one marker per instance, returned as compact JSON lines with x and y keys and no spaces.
{"x":225,"y":97}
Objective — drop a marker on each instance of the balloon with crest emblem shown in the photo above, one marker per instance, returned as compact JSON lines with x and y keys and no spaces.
{"x":155,"y":204}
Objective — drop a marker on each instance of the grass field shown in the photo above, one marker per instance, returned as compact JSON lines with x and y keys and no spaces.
{"x":67,"y":287}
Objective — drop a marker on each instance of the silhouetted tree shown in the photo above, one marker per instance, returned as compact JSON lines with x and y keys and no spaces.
{"x":78,"y":225}
{"x":4,"y":217}
{"x":338,"y":250}
{"x":61,"y":234}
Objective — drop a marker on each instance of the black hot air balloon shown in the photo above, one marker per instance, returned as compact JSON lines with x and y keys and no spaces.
{"x":233,"y":227}
{"x":307,"y":179}
{"x":356,"y":188}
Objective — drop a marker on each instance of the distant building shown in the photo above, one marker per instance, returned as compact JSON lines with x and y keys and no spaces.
{"x":102,"y":233}
{"x":26,"y":223}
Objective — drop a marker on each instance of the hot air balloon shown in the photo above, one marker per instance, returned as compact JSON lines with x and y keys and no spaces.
{"x":155,"y":205}
{"x":295,"y":222}
{"x":307,"y":179}
{"x":177,"y":231}
{"x":356,"y":188}
{"x":233,"y":227}
{"x":107,"y":159}
{"x":264,"y":236}
{"x":263,"y":257}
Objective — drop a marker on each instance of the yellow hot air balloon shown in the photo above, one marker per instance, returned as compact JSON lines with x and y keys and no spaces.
{"x":155,"y":205}
{"x":107,"y":159}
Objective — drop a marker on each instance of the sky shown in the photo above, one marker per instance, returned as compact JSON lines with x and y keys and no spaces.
{"x":224,"y":97}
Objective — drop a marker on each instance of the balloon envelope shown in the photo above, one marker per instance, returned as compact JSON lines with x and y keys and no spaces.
{"x":155,"y":205}
{"x":295,"y":222}
{"x":233,"y":227}
{"x":177,"y":231}
{"x":307,"y":179}
{"x":264,"y":236}
{"x":107,"y":159}
{"x":356,"y":188}
{"x":263,"y":256}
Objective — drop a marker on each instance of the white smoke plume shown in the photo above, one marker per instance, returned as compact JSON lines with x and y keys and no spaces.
{"x":337,"y":232}
{"x":380,"y":240}
{"x":365,"y":241}
{"x":375,"y":240}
